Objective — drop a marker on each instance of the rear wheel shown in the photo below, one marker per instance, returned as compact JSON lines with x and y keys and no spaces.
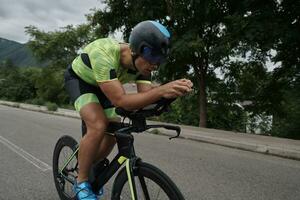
{"x":64,"y":180}
{"x":151,"y":183}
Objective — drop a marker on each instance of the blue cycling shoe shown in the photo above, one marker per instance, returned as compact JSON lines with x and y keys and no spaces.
{"x":84,"y":191}
{"x":100,"y":193}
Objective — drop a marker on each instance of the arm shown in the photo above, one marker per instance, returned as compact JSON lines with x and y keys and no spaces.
{"x":144,"y":87}
{"x":143,"y":83}
{"x":116,"y":94}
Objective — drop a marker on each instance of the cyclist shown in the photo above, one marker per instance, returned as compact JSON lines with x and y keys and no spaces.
{"x":94,"y":83}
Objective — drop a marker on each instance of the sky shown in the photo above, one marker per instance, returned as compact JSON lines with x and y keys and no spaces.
{"x":46,"y":15}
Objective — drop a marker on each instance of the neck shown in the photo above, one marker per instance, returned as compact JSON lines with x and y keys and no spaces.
{"x":125,"y":57}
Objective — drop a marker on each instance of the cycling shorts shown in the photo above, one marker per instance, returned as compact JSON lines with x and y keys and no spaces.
{"x":82,"y":93}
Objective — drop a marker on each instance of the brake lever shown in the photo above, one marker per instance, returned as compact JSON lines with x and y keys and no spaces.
{"x":169,"y":127}
{"x":163,"y":105}
{"x":177,"y":129}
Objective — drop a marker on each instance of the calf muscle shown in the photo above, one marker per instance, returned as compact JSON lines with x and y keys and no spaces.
{"x":96,"y":123}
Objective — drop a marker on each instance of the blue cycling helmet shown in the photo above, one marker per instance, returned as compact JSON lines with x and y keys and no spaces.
{"x":150,"y":40}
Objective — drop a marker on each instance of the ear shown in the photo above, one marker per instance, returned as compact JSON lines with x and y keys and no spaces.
{"x":133,"y":54}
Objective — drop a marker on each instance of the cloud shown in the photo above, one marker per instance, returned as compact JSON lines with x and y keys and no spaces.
{"x":44,"y":14}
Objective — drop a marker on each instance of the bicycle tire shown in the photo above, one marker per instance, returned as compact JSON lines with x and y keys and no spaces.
{"x":152,"y":173}
{"x":60,"y":182}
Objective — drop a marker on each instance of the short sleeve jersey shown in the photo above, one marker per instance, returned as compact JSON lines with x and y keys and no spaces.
{"x":104,"y":64}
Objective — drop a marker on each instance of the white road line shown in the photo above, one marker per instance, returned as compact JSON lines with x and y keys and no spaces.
{"x":27,"y":156}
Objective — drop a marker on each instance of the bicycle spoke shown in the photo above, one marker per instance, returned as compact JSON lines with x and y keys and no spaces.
{"x":146,"y":190}
{"x":158,"y":194}
{"x":69,"y":173}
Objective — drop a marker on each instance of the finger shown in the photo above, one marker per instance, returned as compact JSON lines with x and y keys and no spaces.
{"x":190,"y":83}
{"x":182,"y":88}
{"x":183,"y":83}
{"x":176,"y":92}
{"x":185,"y":80}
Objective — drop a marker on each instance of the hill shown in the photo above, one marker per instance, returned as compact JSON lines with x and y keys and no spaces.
{"x":18,"y":53}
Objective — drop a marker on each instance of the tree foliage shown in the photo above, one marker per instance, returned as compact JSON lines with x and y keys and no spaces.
{"x":58,"y":48}
{"x":61,"y":46}
{"x":17,"y":84}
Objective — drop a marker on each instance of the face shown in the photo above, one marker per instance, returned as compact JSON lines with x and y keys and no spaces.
{"x":144,"y":67}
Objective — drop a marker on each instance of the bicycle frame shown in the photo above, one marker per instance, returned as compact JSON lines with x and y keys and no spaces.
{"x":126,"y":155}
{"x":126,"y":150}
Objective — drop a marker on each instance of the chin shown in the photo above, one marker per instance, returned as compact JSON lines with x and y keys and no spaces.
{"x":146,"y":73}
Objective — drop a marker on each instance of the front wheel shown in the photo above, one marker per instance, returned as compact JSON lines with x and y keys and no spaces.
{"x":151,"y":183}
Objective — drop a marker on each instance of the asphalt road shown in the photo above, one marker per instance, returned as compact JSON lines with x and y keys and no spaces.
{"x":202,"y":171}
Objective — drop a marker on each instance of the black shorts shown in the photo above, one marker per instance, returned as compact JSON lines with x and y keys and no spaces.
{"x":82,"y":93}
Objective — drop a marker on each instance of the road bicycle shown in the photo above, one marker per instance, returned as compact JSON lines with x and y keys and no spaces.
{"x":137,"y":179}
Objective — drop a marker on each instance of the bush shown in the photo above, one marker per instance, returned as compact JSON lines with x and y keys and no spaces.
{"x":67,"y":106}
{"x":51,"y":106}
{"x":37,"y":101}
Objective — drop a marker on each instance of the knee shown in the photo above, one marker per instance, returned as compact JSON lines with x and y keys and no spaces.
{"x":97,"y":128}
{"x":95,"y":120}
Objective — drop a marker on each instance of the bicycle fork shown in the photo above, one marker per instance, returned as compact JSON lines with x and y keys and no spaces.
{"x":126,"y":149}
{"x":130,"y":164}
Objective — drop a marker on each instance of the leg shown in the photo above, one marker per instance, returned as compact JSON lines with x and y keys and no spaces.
{"x":96,"y":124}
{"x":106,"y":146}
{"x":87,"y":100}
{"x":108,"y":141}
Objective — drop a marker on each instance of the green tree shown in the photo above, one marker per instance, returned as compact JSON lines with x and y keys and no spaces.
{"x":273,"y":25}
{"x":50,"y":86}
{"x":286,"y":116}
{"x":60,"y":47}
{"x":8,"y":63}
{"x":15,"y":85}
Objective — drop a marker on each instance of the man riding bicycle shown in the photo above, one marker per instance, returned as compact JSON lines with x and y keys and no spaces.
{"x":94,"y":83}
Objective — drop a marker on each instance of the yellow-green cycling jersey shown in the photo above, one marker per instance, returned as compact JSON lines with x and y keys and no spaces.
{"x":100,"y":62}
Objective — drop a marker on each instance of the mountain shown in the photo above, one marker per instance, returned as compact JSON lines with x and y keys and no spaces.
{"x":18,"y":53}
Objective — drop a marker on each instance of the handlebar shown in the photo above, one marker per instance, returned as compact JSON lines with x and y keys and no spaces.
{"x":155,"y":109}
{"x":138,"y":117}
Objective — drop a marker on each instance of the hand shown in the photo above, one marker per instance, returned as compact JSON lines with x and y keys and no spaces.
{"x":176,"y":88}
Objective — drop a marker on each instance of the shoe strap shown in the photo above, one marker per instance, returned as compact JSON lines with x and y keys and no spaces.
{"x":84,"y":187}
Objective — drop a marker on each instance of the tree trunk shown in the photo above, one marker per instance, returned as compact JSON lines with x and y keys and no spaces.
{"x":202,"y":100}
{"x":201,"y":74}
